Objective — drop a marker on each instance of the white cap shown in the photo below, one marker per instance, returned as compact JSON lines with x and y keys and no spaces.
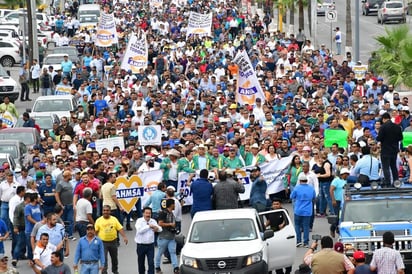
{"x":344,"y":170}
{"x":171,"y":187}
{"x":302,"y":177}
{"x":405,"y":108}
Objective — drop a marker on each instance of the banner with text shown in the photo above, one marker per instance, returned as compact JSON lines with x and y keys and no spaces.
{"x":150,"y":135}
{"x":272,"y":171}
{"x":109,"y":143}
{"x":106,"y":34}
{"x":248,"y":88}
{"x":62,"y":90}
{"x":150,"y":180}
{"x":199,"y":24}
{"x":135,"y":57}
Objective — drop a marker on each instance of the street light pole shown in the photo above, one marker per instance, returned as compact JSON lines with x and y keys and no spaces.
{"x":357,"y":36}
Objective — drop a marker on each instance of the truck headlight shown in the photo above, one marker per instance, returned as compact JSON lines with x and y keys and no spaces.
{"x":254,"y":258}
{"x":190,"y":262}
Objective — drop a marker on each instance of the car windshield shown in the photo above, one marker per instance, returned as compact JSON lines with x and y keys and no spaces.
{"x":12,"y":150}
{"x":394,"y":5}
{"x":27,"y":139}
{"x":44,"y":122}
{"x":52,"y":60}
{"x":52,"y":105}
{"x":88,"y":18}
{"x":62,"y":50}
{"x":378,"y":210}
{"x":223,"y":231}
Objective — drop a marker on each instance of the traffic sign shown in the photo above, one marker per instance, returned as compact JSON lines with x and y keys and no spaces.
{"x":331,"y":16}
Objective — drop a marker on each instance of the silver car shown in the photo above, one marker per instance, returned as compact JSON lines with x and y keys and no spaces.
{"x":392,"y":11}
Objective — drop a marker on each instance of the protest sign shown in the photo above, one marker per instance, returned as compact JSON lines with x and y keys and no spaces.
{"x":128,"y":191}
{"x":336,"y":136}
{"x":109,"y":143}
{"x":407,"y":139}
{"x":106,"y":34}
{"x":135,"y":57}
{"x":200,"y":24}
{"x":150,"y":135}
{"x":62,"y":90}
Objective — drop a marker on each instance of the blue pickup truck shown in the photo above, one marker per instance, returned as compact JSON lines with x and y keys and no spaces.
{"x":369,"y":212}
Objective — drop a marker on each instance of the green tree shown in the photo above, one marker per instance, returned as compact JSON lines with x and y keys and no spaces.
{"x":393,"y":58}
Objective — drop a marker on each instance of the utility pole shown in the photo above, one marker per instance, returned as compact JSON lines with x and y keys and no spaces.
{"x":280,"y":16}
{"x":32,"y":31}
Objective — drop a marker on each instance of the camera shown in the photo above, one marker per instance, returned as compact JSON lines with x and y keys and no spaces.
{"x":316,"y":237}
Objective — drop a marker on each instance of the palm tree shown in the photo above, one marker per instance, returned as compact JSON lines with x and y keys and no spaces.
{"x":349,"y":23}
{"x":393,"y":58}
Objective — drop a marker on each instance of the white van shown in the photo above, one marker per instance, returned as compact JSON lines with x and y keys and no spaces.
{"x":89,"y":15}
{"x":237,"y":241}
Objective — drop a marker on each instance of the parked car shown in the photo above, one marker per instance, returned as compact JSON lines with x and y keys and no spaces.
{"x":44,"y":121}
{"x":392,"y":11}
{"x":7,"y":158}
{"x":323,"y":7}
{"x":28,"y":135}
{"x":8,"y":86}
{"x":17,"y":149}
{"x":370,"y":6}
{"x":9,"y":53}
{"x":61,"y":105}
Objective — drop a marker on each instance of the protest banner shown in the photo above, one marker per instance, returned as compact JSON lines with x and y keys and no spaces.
{"x":62,"y":90}
{"x":128,"y":191}
{"x":109,"y":143}
{"x":360,"y":71}
{"x":150,"y":135}
{"x":199,"y":24}
{"x":407,"y":139}
{"x":136,"y":55}
{"x":106,"y":34}
{"x":8,"y":119}
{"x":248,"y":88}
{"x":156,"y":4}
{"x":336,"y":136}
{"x":150,"y":180}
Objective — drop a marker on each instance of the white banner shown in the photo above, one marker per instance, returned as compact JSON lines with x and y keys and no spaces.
{"x":272,"y":171}
{"x":109,"y":143}
{"x":135,"y":57}
{"x":200,"y":24}
{"x":106,"y":34}
{"x":156,"y":4}
{"x":150,"y":135}
{"x":8,"y":119}
{"x":62,"y":90}
{"x":248,"y":88}
{"x":150,"y":180}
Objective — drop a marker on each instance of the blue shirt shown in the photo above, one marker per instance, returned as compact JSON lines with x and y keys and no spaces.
{"x":3,"y":231}
{"x":339,"y":184}
{"x":89,"y":251}
{"x":303,"y":196}
{"x":47,"y":193}
{"x":258,"y":192}
{"x":363,"y":166}
{"x":155,"y":200}
{"x":100,"y":105}
{"x":202,"y":192}
{"x":67,"y":66}
{"x":35,"y":213}
{"x":56,"y":233}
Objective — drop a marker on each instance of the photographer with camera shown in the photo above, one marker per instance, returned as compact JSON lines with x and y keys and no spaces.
{"x":327,"y":260}
{"x":226,"y":191}
{"x":166,"y":238}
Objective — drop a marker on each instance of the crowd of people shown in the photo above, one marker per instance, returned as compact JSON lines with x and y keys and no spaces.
{"x":189,"y":88}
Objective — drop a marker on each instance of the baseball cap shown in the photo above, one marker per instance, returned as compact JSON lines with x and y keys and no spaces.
{"x":302,"y":177}
{"x":171,"y":187}
{"x":344,"y":170}
{"x":90,"y":225}
{"x":359,"y":255}
{"x":338,"y":247}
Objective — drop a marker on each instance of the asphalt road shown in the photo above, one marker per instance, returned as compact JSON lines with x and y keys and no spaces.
{"x":128,"y":257}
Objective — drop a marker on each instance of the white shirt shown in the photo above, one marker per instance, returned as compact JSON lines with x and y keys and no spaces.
{"x":7,"y":191}
{"x":43,"y":254}
{"x":83,"y":207}
{"x":14,"y":201}
{"x":35,"y":71}
{"x":144,"y":234}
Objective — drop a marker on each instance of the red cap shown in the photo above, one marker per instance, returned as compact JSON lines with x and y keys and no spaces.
{"x":226,"y":149}
{"x":250,"y":108}
{"x":359,"y":255}
{"x":339,"y":247}
{"x":314,"y":81}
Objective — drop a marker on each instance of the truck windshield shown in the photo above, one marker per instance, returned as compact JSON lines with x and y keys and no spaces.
{"x":378,"y":210}
{"x":223,"y":231}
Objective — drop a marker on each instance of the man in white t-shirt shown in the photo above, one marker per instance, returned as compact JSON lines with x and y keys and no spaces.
{"x":42,"y":252}
{"x":84,"y":211}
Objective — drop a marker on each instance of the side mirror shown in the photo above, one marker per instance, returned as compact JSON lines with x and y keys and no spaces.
{"x":332,"y":219}
{"x":268,"y":234}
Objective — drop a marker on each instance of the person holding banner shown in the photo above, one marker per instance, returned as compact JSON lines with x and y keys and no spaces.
{"x":8,"y":106}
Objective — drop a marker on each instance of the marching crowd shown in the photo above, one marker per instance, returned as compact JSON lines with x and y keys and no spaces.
{"x":189,"y":89}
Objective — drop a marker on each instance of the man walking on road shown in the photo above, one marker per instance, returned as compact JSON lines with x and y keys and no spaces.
{"x":389,"y":135}
{"x":107,"y":227}
{"x":145,"y":231}
{"x":89,"y":252}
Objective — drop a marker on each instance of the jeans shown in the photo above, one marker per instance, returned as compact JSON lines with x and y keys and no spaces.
{"x":36,"y":85}
{"x":111,"y":248}
{"x":89,"y":269}
{"x":20,"y":242}
{"x":28,"y":246}
{"x":336,"y":208}
{"x":5,"y":215}
{"x":302,"y":222}
{"x":46,"y":91}
{"x":324,"y":198}
{"x":162,"y":244}
{"x":338,"y":48}
{"x":143,"y":251}
{"x":388,"y":167}
{"x":81,"y":228}
{"x":68,"y":217}
{"x":24,"y":91}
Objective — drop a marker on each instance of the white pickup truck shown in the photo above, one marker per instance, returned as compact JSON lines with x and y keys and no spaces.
{"x":236,"y":241}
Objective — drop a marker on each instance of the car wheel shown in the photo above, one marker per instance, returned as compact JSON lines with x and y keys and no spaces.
{"x":7,"y":61}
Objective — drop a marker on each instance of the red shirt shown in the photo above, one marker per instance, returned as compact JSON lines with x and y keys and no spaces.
{"x":79,"y":191}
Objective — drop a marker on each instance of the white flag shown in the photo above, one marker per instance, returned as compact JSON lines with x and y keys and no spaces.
{"x":135,"y":57}
{"x":106,"y":34}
